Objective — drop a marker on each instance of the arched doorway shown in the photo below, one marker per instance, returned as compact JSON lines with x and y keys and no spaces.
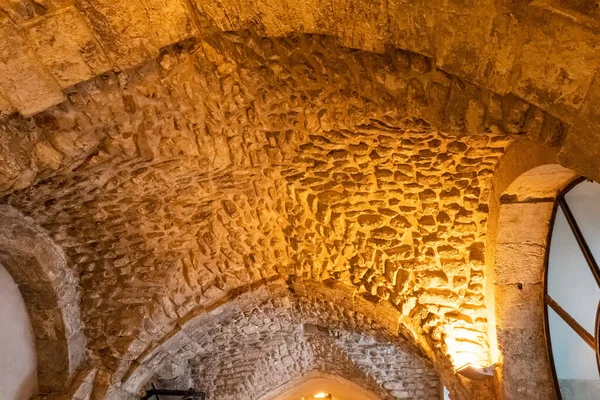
{"x":18,"y":372}
{"x":318,"y":385}
{"x":49,"y":293}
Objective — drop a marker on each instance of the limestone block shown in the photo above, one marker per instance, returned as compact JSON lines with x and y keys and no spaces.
{"x":519,"y":305}
{"x":476,"y":42}
{"x":23,"y":80}
{"x":133,"y":31}
{"x":411,"y":25}
{"x":275,"y":16}
{"x":525,"y":223}
{"x":226,"y":15}
{"x":520,"y":263}
{"x":83,"y":384}
{"x":524,"y":376}
{"x":576,"y":152}
{"x":66,"y":47}
{"x":554,"y":72}
{"x":362,"y":24}
{"x":170,"y":20}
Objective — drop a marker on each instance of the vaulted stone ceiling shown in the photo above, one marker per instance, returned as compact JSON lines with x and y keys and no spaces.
{"x":236,"y":159}
{"x":178,"y":167}
{"x":250,"y":354}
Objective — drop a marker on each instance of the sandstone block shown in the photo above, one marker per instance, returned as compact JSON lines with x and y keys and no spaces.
{"x":520,"y":305}
{"x":476,"y":42}
{"x":518,"y":263}
{"x":412,"y":26}
{"x":530,"y":222}
{"x":5,"y":107}
{"x":133,"y":31}
{"x":66,"y":47}
{"x":553,"y":72}
{"x":23,"y":80}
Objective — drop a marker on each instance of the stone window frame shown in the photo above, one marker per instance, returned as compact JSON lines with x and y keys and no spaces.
{"x":594,"y":342}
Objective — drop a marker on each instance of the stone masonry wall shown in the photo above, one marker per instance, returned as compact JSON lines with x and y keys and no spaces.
{"x":254,"y":353}
{"x":237,"y":158}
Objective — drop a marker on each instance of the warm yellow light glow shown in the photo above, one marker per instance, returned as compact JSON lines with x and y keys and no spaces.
{"x":466,"y":346}
{"x":320,"y":395}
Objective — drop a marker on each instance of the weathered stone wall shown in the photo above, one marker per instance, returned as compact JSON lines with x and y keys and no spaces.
{"x":250,"y":354}
{"x":238,"y":158}
{"x":505,"y":46}
{"x":50,"y":292}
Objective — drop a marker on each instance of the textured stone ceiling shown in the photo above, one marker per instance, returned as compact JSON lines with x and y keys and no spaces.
{"x":236,"y":159}
{"x":249,"y":355}
{"x":183,"y":163}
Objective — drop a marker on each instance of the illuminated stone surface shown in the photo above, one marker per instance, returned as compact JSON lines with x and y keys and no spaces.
{"x":182,"y":152}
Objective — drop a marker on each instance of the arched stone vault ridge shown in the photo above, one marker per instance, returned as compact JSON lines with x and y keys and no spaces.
{"x":526,"y":188}
{"x":49,"y":289}
{"x":504,"y":46}
{"x":333,"y":380}
{"x":369,"y":319}
{"x":256,"y":351}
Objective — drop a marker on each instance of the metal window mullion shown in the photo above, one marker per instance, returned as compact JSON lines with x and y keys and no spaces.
{"x":585,"y":250}
{"x":565,"y":316}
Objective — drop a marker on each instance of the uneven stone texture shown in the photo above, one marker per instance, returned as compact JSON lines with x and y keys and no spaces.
{"x":248,"y":354}
{"x":49,"y":290}
{"x":23,"y":81}
{"x":133,"y":31}
{"x":239,"y":158}
{"x":212,"y":162}
{"x":66,"y":47}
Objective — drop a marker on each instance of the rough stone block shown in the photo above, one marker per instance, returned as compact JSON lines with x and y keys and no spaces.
{"x":133,"y":31}
{"x":517,"y":307}
{"x":525,"y":223}
{"x":576,"y":152}
{"x":362,"y":25}
{"x":476,"y":42}
{"x":66,"y":47}
{"x":23,"y":80}
{"x":520,"y":263}
{"x":411,"y":26}
{"x":5,"y":107}
{"x":554,"y":71}
{"x":225,"y":14}
{"x":77,"y":351}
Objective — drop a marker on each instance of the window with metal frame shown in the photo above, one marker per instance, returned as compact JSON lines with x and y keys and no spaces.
{"x":572,"y":292}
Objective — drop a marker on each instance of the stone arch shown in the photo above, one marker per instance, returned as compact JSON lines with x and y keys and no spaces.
{"x":274,"y":296}
{"x":567,"y":89}
{"x":322,"y":382}
{"x":525,"y":196}
{"x":49,"y":289}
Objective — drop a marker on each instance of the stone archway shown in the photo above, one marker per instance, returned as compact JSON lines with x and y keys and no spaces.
{"x":477,"y":44}
{"x":321,"y":382}
{"x":49,"y":289}
{"x":271,"y":307}
{"x":526,"y":190}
